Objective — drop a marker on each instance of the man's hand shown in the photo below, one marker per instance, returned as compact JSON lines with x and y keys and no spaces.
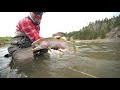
{"x":40,"y":49}
{"x":42,"y":45}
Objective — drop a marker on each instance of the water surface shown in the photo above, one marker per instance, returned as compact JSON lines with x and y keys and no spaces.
{"x":100,"y":60}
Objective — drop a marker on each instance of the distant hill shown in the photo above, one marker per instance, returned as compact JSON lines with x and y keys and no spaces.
{"x":107,"y":28}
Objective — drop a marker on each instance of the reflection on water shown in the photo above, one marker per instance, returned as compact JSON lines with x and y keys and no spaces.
{"x":100,"y":60}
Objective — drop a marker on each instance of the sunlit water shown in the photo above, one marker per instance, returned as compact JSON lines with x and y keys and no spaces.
{"x":100,"y":60}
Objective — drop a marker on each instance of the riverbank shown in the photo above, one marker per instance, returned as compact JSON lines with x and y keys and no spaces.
{"x":98,"y":40}
{"x":5,"y":40}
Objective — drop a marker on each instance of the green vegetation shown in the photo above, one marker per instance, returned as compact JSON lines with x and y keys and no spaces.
{"x":5,"y":40}
{"x":95,"y":30}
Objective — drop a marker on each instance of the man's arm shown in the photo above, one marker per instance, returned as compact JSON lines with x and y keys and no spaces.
{"x":27,"y":27}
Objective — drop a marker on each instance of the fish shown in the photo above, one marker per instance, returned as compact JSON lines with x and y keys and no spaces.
{"x":54,"y":43}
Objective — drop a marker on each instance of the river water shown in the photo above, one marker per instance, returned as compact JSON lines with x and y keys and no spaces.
{"x":93,"y":60}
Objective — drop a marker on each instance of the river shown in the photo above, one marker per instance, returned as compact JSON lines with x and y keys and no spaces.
{"x":93,"y":60}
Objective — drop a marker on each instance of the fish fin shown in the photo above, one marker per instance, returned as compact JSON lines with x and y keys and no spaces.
{"x":72,"y":40}
{"x":74,"y":46}
{"x":60,"y":50}
{"x":49,"y":49}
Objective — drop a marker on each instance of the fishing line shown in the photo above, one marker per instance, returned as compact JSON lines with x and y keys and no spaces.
{"x":83,"y":72}
{"x":79,"y":71}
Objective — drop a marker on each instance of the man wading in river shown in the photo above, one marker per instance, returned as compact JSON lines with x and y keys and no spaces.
{"x":27,"y":31}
